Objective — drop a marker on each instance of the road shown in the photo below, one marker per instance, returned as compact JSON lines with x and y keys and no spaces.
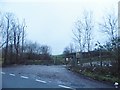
{"x":16,"y":81}
{"x":40,"y":76}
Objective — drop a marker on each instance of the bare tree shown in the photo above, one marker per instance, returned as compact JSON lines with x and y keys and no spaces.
{"x":109,"y":25}
{"x":83,"y":32}
{"x":45,"y":49}
{"x":8,"y":18}
{"x":41,"y":51}
{"x":78,"y":34}
{"x":69,"y":49}
{"x":23,"y":26}
{"x":88,"y":27}
{"x":1,"y":30}
{"x":12,"y":37}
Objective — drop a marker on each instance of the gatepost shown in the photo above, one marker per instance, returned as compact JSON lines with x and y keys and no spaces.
{"x":77,"y":57}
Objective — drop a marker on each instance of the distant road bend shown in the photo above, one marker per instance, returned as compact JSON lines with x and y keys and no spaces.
{"x":40,"y":76}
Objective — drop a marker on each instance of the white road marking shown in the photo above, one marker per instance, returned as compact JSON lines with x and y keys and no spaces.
{"x":24,"y":77}
{"x":2,"y":72}
{"x":12,"y":74}
{"x":63,"y":86}
{"x":40,"y":81}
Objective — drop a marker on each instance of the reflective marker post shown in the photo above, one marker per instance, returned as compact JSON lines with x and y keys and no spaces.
{"x":116,"y":85}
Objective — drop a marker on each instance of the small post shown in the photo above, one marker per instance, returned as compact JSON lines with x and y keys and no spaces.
{"x":116,"y":84}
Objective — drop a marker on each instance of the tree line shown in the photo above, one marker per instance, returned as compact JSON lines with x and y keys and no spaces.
{"x":16,"y":49}
{"x":83,"y":37}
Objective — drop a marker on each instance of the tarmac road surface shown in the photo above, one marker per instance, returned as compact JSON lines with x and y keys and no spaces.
{"x":41,"y":76}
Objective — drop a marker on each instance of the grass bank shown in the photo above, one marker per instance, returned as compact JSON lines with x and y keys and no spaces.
{"x":96,"y":73}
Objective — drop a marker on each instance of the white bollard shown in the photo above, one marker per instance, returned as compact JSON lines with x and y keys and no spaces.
{"x":116,"y":84}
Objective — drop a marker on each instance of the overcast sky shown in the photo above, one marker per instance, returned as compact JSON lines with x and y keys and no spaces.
{"x":51,"y":21}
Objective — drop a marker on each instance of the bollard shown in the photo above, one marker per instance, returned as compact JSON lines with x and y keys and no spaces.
{"x":116,"y":85}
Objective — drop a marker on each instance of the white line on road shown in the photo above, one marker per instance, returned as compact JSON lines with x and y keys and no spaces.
{"x":12,"y":74}
{"x":64,"y":86}
{"x":40,"y":81}
{"x":2,"y":72}
{"x":24,"y":77}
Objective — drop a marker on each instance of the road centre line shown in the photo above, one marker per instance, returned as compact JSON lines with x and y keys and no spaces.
{"x":2,"y":72}
{"x":40,"y":81}
{"x":24,"y":77}
{"x":12,"y":74}
{"x":64,"y":86}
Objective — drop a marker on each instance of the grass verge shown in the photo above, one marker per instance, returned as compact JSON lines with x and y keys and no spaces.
{"x":94,"y":75}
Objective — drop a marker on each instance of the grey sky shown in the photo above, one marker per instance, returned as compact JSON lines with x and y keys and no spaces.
{"x":51,"y":22}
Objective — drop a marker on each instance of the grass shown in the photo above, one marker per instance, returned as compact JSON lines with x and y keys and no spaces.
{"x":96,"y":75}
{"x":58,"y":59}
{"x":87,"y":60}
{"x":102,"y":77}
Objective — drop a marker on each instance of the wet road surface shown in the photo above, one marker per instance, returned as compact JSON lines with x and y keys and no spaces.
{"x":41,"y":76}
